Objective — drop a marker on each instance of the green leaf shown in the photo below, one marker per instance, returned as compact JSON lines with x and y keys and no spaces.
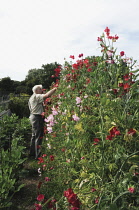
{"x":113,"y":207}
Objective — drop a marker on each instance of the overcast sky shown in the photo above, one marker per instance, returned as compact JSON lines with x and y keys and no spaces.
{"x":37,"y":32}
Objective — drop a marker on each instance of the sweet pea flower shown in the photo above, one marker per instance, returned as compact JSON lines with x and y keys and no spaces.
{"x":122,"y":53}
{"x":93,"y":189}
{"x":47,"y":179}
{"x":131,"y":189}
{"x":50,"y":130}
{"x":38,"y":206}
{"x":78,"y":100}
{"x":109,"y":54}
{"x":40,"y":197}
{"x":75,"y":117}
{"x":54,"y":112}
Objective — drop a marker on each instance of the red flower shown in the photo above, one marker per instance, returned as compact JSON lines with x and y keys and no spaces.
{"x":51,"y":157}
{"x":122,"y":53}
{"x":99,"y":39}
{"x":40,"y":197}
{"x":109,"y":137}
{"x":89,"y":69}
{"x":93,"y":189}
{"x":131,"y":131}
{"x":115,"y":91}
{"x":80,"y":55}
{"x":86,"y":61}
{"x":38,"y":206}
{"x":44,"y":155}
{"x":41,"y":160}
{"x":116,"y":37}
{"x":126,"y":77}
{"x":121,"y":84}
{"x":57,"y":70}
{"x":126,"y":86}
{"x":96,"y":140}
{"x":107,"y":30}
{"x":72,"y":56}
{"x":114,"y":132}
{"x":131,"y":189}
{"x":73,"y":200}
{"x":68,"y":192}
{"x":75,"y":66}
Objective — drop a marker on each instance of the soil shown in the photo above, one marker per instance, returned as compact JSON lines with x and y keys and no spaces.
{"x":26,"y":197}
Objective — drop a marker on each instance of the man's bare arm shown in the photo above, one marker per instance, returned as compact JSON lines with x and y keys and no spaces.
{"x":49,"y":93}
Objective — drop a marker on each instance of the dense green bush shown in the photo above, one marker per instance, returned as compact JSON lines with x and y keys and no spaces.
{"x":19,"y":105}
{"x":91,"y":152}
{"x":14,"y":139}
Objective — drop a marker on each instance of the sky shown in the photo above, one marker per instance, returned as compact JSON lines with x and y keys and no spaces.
{"x":37,"y":32}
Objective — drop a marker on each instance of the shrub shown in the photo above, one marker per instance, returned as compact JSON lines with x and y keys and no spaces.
{"x":19,"y":105}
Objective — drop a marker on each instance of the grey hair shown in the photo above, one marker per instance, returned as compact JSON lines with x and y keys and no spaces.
{"x":35,"y":88}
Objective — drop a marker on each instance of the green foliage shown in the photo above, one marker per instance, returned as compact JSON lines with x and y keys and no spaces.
{"x":13,"y":127}
{"x":92,"y":132}
{"x":14,"y":137}
{"x":10,"y":163}
{"x":42,"y":76}
{"x":19,"y":105}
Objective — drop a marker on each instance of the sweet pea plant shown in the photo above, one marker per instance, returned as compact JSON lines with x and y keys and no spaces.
{"x":91,"y":148}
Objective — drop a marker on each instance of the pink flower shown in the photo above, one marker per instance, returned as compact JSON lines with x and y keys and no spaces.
{"x":47,"y":179}
{"x":122,"y":53}
{"x":75,"y":117}
{"x":40,"y":197}
{"x":49,"y":129}
{"x":82,"y":158}
{"x":97,"y":200}
{"x":110,"y":61}
{"x":99,"y":39}
{"x":109,"y":54}
{"x":54,"y":112}
{"x":78,"y":100}
{"x":131,"y":189}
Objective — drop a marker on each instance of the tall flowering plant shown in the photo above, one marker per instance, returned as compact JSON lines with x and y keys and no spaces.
{"x":92,"y":132}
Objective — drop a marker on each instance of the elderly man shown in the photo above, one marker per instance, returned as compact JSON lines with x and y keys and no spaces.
{"x":37,"y":121}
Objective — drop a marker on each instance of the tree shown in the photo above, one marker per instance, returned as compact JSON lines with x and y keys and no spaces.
{"x":44,"y":76}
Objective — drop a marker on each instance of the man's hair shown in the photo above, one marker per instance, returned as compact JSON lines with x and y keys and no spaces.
{"x":35,"y":88}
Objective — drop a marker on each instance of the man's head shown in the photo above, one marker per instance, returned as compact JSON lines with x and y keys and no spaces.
{"x":37,"y":89}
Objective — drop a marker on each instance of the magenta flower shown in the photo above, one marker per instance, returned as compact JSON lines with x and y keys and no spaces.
{"x":131,"y":189}
{"x":40,"y":197}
